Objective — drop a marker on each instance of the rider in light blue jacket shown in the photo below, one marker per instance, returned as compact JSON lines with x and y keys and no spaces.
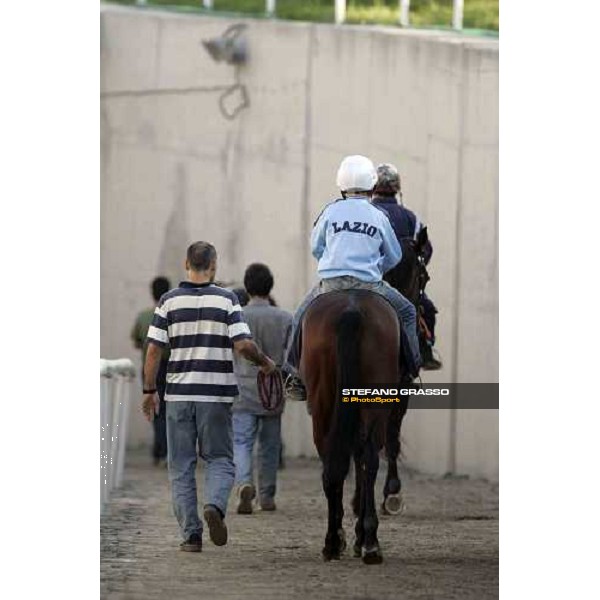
{"x":355,"y":245}
{"x":351,"y":239}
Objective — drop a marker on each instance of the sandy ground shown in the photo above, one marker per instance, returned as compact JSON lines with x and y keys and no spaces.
{"x":445,"y":545}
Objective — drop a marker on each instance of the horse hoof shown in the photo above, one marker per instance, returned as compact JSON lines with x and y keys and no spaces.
{"x":328,"y":555}
{"x":393,"y":504}
{"x":372,"y":557}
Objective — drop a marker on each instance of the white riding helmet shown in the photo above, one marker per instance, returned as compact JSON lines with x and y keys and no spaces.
{"x":356,"y":173}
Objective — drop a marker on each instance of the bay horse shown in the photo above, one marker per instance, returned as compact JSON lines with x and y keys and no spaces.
{"x":349,"y":339}
{"x":409,"y":277}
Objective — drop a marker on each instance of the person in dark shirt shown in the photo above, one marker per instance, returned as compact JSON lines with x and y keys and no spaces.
{"x":387,"y":197}
{"x":242,"y":295}
{"x":139,"y":332}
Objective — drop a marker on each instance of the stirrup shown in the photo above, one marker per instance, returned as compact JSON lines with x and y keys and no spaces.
{"x":294,"y":389}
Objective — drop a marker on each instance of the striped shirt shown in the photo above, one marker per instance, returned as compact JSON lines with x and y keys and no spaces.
{"x":200,"y":322}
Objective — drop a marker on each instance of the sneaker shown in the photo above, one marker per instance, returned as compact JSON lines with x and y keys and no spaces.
{"x":216,"y":526}
{"x":267,"y":504}
{"x":246,"y":494}
{"x":192,"y":544}
{"x":294,"y":389}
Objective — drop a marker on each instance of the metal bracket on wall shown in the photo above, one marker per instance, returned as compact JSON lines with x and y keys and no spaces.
{"x":231,"y":47}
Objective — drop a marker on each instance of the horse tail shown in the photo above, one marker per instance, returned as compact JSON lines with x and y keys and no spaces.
{"x":348,"y":346}
{"x":346,"y":418}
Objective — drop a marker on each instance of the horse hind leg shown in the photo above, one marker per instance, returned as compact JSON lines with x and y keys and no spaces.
{"x":393,"y":502}
{"x":359,"y":505}
{"x":357,"y":484}
{"x":371,"y":552}
{"x":335,"y":539}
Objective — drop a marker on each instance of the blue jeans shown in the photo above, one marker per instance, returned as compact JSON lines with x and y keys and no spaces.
{"x":404,"y":308}
{"x":407,"y":314}
{"x":246,"y":428}
{"x":204,"y":428}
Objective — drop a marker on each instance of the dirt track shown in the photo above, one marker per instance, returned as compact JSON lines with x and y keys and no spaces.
{"x":444,"y":546}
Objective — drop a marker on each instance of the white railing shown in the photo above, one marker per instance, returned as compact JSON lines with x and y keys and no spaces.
{"x":457,"y":14}
{"x":340,"y":11}
{"x":404,"y":13}
{"x":115,"y":388}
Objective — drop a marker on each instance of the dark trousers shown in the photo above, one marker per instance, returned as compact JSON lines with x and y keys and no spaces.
{"x":429,"y":312}
{"x":159,"y":424}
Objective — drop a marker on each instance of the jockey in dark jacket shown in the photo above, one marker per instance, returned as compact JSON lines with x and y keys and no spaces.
{"x":407,"y":225}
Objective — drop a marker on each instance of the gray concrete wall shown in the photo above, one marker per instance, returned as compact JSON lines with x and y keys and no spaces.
{"x":174,"y":170}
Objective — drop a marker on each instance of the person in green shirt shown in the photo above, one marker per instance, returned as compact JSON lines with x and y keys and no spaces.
{"x":139,"y":332}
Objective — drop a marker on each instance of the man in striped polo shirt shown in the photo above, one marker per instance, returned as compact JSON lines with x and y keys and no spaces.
{"x":203,"y":324}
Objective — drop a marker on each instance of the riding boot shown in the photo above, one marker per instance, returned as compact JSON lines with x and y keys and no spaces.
{"x":430,"y":363}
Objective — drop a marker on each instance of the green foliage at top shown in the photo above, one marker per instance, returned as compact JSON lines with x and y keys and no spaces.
{"x":478,"y":14}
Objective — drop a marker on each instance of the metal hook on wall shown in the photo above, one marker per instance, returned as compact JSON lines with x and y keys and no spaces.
{"x":243,"y":101}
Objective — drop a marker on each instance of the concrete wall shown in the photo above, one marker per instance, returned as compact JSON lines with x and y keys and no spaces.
{"x":174,"y":170}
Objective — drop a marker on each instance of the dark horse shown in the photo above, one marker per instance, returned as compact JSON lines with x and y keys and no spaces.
{"x":350,"y":339}
{"x":409,"y":277}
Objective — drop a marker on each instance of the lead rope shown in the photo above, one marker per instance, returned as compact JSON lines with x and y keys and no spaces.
{"x":270,"y":390}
